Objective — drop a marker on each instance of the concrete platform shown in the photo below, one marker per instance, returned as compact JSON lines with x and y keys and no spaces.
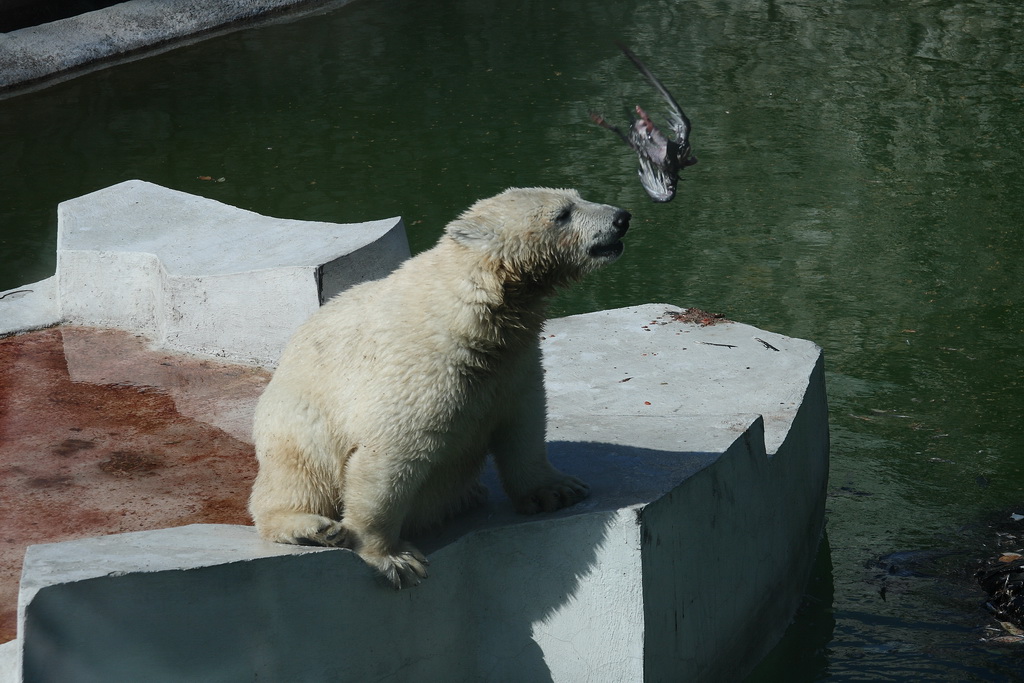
{"x":706,"y":448}
{"x":195,"y":275}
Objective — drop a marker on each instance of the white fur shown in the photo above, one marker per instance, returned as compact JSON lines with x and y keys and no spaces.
{"x":386,"y":402}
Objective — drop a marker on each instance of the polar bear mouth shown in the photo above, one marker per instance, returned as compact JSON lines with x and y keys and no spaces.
{"x":610,"y":250}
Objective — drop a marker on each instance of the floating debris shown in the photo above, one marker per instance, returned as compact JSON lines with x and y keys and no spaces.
{"x":1003,"y":579}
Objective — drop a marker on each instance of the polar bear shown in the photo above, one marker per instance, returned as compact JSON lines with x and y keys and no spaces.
{"x":385,"y":403}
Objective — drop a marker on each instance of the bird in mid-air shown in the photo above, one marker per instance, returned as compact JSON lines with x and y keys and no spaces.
{"x":661,"y":158}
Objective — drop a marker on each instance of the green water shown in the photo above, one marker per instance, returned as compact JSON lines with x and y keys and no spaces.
{"x":859,"y":185}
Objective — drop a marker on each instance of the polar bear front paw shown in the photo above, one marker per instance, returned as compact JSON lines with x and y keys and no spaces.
{"x":300,"y":528}
{"x":328,"y":533}
{"x":402,"y":569}
{"x":552,"y":496}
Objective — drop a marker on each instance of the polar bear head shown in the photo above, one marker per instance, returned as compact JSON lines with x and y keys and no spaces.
{"x":541,"y":235}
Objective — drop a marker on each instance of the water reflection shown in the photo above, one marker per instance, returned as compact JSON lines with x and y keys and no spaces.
{"x":858,"y":186}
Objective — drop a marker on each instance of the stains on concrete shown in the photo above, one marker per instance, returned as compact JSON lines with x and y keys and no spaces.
{"x":101,"y":435}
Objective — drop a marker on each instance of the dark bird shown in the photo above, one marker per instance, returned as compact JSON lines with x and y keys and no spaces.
{"x":661,"y":159}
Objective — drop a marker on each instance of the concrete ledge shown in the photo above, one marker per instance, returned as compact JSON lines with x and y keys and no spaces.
{"x":66,"y":46}
{"x":196,"y":275}
{"x":31,"y":307}
{"x":641,"y":581}
{"x":10,"y":661}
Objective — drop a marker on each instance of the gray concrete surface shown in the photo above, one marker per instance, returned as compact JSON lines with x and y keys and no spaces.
{"x":10,"y":661}
{"x":30,"y":307}
{"x":196,"y":275}
{"x":706,"y":449}
{"x":69,"y":46}
{"x":686,"y":562}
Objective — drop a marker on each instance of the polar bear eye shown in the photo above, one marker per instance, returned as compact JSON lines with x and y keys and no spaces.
{"x":564,"y":215}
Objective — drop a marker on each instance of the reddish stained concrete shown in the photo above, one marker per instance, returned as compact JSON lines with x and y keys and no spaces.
{"x":100,"y":435}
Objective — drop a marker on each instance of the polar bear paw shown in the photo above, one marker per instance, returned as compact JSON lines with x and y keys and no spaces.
{"x":304,"y":529}
{"x":402,"y":569}
{"x":554,"y":495}
{"x":328,"y":533}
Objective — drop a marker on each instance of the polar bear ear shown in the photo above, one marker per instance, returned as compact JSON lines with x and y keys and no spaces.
{"x":472,"y":232}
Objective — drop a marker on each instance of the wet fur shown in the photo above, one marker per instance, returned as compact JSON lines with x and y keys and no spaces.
{"x":385,"y":403}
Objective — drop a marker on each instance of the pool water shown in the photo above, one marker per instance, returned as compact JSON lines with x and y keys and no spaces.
{"x":858,"y":185}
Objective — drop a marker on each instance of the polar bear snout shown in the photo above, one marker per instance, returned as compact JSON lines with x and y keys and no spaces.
{"x":608,"y":247}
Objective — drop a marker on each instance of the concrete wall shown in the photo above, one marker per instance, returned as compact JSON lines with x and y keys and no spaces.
{"x":70,"y":46}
